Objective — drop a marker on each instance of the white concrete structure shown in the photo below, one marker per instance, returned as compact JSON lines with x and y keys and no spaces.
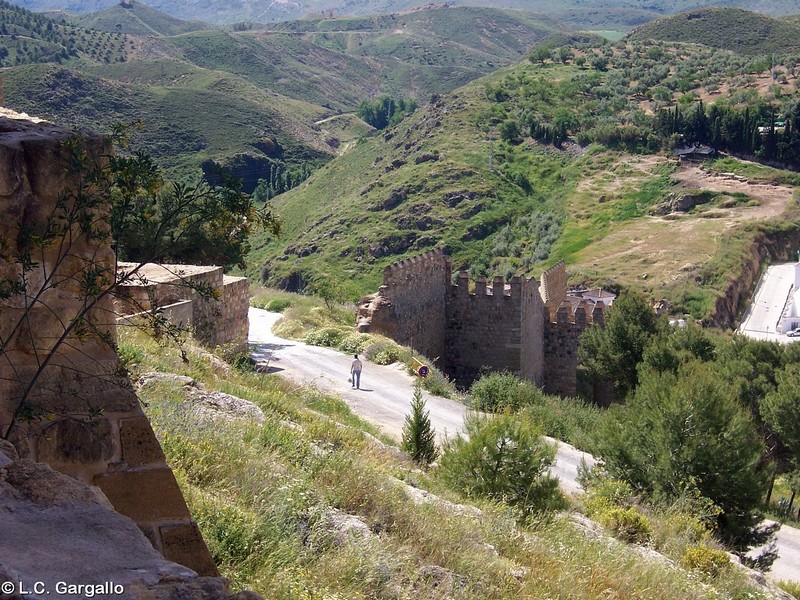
{"x":764,"y":319}
{"x":790,"y":316}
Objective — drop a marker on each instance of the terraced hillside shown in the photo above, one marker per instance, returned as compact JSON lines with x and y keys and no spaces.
{"x":546,"y":161}
{"x":207,"y":94}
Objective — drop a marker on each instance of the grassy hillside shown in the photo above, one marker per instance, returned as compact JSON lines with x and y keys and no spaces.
{"x":265,"y":11}
{"x":27,"y":37}
{"x":309,"y":504}
{"x":481,"y":172}
{"x":136,"y":18}
{"x":732,"y":29}
{"x":182,"y":124}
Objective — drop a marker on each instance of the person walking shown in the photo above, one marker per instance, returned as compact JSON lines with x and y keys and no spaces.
{"x":355,"y":372}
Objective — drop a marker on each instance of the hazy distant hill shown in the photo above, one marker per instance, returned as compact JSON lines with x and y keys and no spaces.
{"x":225,"y":11}
{"x":732,"y":29}
{"x":137,"y":19}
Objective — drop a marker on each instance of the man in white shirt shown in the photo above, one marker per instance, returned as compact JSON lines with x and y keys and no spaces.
{"x":355,"y":372}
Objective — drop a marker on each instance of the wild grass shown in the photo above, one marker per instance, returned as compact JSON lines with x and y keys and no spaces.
{"x":268,"y":498}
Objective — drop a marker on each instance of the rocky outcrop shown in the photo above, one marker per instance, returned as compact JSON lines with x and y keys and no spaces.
{"x":208,"y":404}
{"x":375,"y":314}
{"x":58,"y":533}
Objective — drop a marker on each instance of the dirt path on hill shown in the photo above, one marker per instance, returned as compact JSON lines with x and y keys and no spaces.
{"x":773,"y":198}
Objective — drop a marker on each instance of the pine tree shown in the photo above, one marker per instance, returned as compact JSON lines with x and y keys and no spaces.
{"x":418,"y":435}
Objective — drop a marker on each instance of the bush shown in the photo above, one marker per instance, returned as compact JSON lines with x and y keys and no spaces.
{"x":496,"y":391}
{"x":709,"y":561}
{"x":384,"y":352}
{"x":355,"y":343}
{"x":627,"y":524}
{"x":278,"y":304}
{"x":329,"y":337}
{"x":502,"y":458}
{"x":604,"y":494}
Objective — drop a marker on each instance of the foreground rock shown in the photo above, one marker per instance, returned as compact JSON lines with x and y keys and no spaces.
{"x":58,"y":534}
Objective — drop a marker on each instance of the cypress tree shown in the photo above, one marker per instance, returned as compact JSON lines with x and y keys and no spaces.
{"x":419,"y":438}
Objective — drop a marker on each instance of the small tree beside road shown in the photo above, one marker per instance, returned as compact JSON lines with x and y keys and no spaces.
{"x":419,"y":437}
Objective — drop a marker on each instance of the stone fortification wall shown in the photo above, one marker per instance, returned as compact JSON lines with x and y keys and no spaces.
{"x":234,"y":325}
{"x":417,"y":290}
{"x":562,"y":332}
{"x":79,"y":418}
{"x":554,"y":284}
{"x":492,"y":327}
{"x":219,"y":303}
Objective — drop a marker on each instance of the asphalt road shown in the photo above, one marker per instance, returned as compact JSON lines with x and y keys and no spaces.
{"x":761,"y":319}
{"x":385,"y":398}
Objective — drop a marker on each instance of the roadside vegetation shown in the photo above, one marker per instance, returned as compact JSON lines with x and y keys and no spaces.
{"x":306,"y":504}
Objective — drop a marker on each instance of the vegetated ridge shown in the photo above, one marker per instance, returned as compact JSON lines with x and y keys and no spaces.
{"x":732,"y":29}
{"x":278,"y":86}
{"x":222,"y":11}
{"x":549,"y":160}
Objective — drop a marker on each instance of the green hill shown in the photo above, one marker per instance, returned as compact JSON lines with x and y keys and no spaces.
{"x":27,"y":37}
{"x":269,"y":11}
{"x":137,"y":18}
{"x":536,"y":163}
{"x":732,"y":29}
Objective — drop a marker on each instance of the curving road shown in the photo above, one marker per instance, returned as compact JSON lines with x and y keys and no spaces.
{"x":385,"y":398}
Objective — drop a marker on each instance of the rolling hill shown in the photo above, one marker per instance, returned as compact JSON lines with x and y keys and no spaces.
{"x":536,"y":163}
{"x":266,"y":11}
{"x":740,"y":31}
{"x":250,"y":85}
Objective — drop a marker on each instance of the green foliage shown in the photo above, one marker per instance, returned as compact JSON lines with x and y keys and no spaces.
{"x":278,"y":305}
{"x":781,"y":407}
{"x":790,"y":587}
{"x":503,"y":458}
{"x":385,"y":112}
{"x":627,"y":524}
{"x":612,"y":353}
{"x":354,"y":343}
{"x":697,"y":437}
{"x":330,"y":337}
{"x":419,"y":437}
{"x":498,"y":391}
{"x":709,"y":561}
{"x":384,"y":352}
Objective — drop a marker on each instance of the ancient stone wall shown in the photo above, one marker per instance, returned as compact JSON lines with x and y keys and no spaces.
{"x":60,"y":400}
{"x":219,"y":303}
{"x":554,"y":284}
{"x":562,"y":331}
{"x":234,"y":325}
{"x":417,"y":290}
{"x":493,"y":327}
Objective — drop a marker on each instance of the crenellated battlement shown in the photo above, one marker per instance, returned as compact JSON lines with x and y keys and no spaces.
{"x":554,"y":284}
{"x":430,"y":264}
{"x":583,"y":313}
{"x":522,"y":325}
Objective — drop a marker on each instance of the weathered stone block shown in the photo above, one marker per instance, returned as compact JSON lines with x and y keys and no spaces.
{"x":184,"y":545}
{"x":139,"y":443}
{"x":69,"y":442}
{"x":144,"y":496}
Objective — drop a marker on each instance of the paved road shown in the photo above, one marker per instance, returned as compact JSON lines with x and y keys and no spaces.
{"x":385,"y":398}
{"x":761,"y":319}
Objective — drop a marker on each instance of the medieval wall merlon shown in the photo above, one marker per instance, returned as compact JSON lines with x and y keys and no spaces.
{"x":583,"y":313}
{"x":554,"y":284}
